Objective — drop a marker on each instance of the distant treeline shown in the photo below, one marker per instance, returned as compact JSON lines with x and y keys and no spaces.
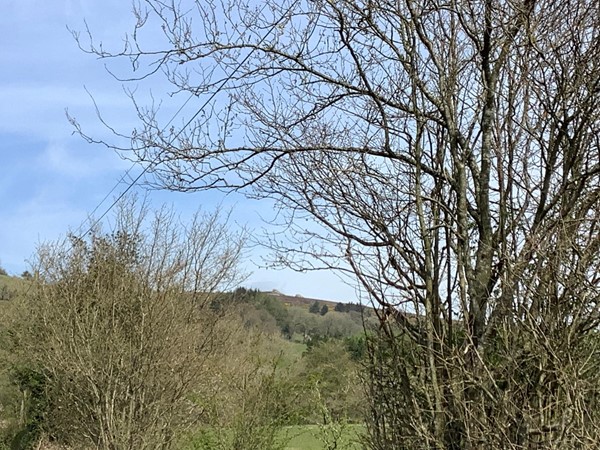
{"x":269,"y":313}
{"x":347,"y":307}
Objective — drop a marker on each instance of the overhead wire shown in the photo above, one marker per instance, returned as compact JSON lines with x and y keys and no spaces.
{"x":122,"y":178}
{"x":187,"y":124}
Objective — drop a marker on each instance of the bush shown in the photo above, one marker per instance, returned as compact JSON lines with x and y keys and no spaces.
{"x":315,"y":308}
{"x":7,"y":293}
{"x":123,"y":328}
{"x":34,"y":406}
{"x":330,"y":373}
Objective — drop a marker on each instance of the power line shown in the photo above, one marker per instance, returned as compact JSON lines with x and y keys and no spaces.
{"x":122,"y":178}
{"x":155,"y":160}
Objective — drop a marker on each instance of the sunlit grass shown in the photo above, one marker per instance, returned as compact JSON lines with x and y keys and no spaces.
{"x":310,"y":437}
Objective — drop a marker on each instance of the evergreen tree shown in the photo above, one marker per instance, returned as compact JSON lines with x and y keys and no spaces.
{"x":315,"y":308}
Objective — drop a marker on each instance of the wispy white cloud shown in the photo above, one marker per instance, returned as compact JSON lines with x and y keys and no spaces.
{"x":39,"y":110}
{"x":84,"y":161}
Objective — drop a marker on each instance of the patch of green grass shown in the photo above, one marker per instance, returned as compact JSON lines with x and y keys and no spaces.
{"x":306,"y":437}
{"x":291,"y":352}
{"x":297,"y":437}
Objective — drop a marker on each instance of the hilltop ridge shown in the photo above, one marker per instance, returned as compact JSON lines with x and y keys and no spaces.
{"x":299,"y":300}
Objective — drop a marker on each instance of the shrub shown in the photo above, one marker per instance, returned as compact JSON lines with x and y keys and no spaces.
{"x":123,"y":328}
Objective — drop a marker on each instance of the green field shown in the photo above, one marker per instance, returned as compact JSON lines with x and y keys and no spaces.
{"x":298,"y":437}
{"x":311,"y":437}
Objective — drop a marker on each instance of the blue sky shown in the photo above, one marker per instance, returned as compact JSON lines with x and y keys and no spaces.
{"x":51,"y":179}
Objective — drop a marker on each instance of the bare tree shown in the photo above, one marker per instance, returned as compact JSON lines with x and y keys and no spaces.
{"x":447,"y":155}
{"x":122,"y":330}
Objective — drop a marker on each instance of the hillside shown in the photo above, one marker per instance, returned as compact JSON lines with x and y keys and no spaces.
{"x":305,"y":302}
{"x":299,"y":300}
{"x":10,"y":286}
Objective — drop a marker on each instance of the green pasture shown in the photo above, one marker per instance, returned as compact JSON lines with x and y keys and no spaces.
{"x":297,"y":437}
{"x":312,"y":437}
